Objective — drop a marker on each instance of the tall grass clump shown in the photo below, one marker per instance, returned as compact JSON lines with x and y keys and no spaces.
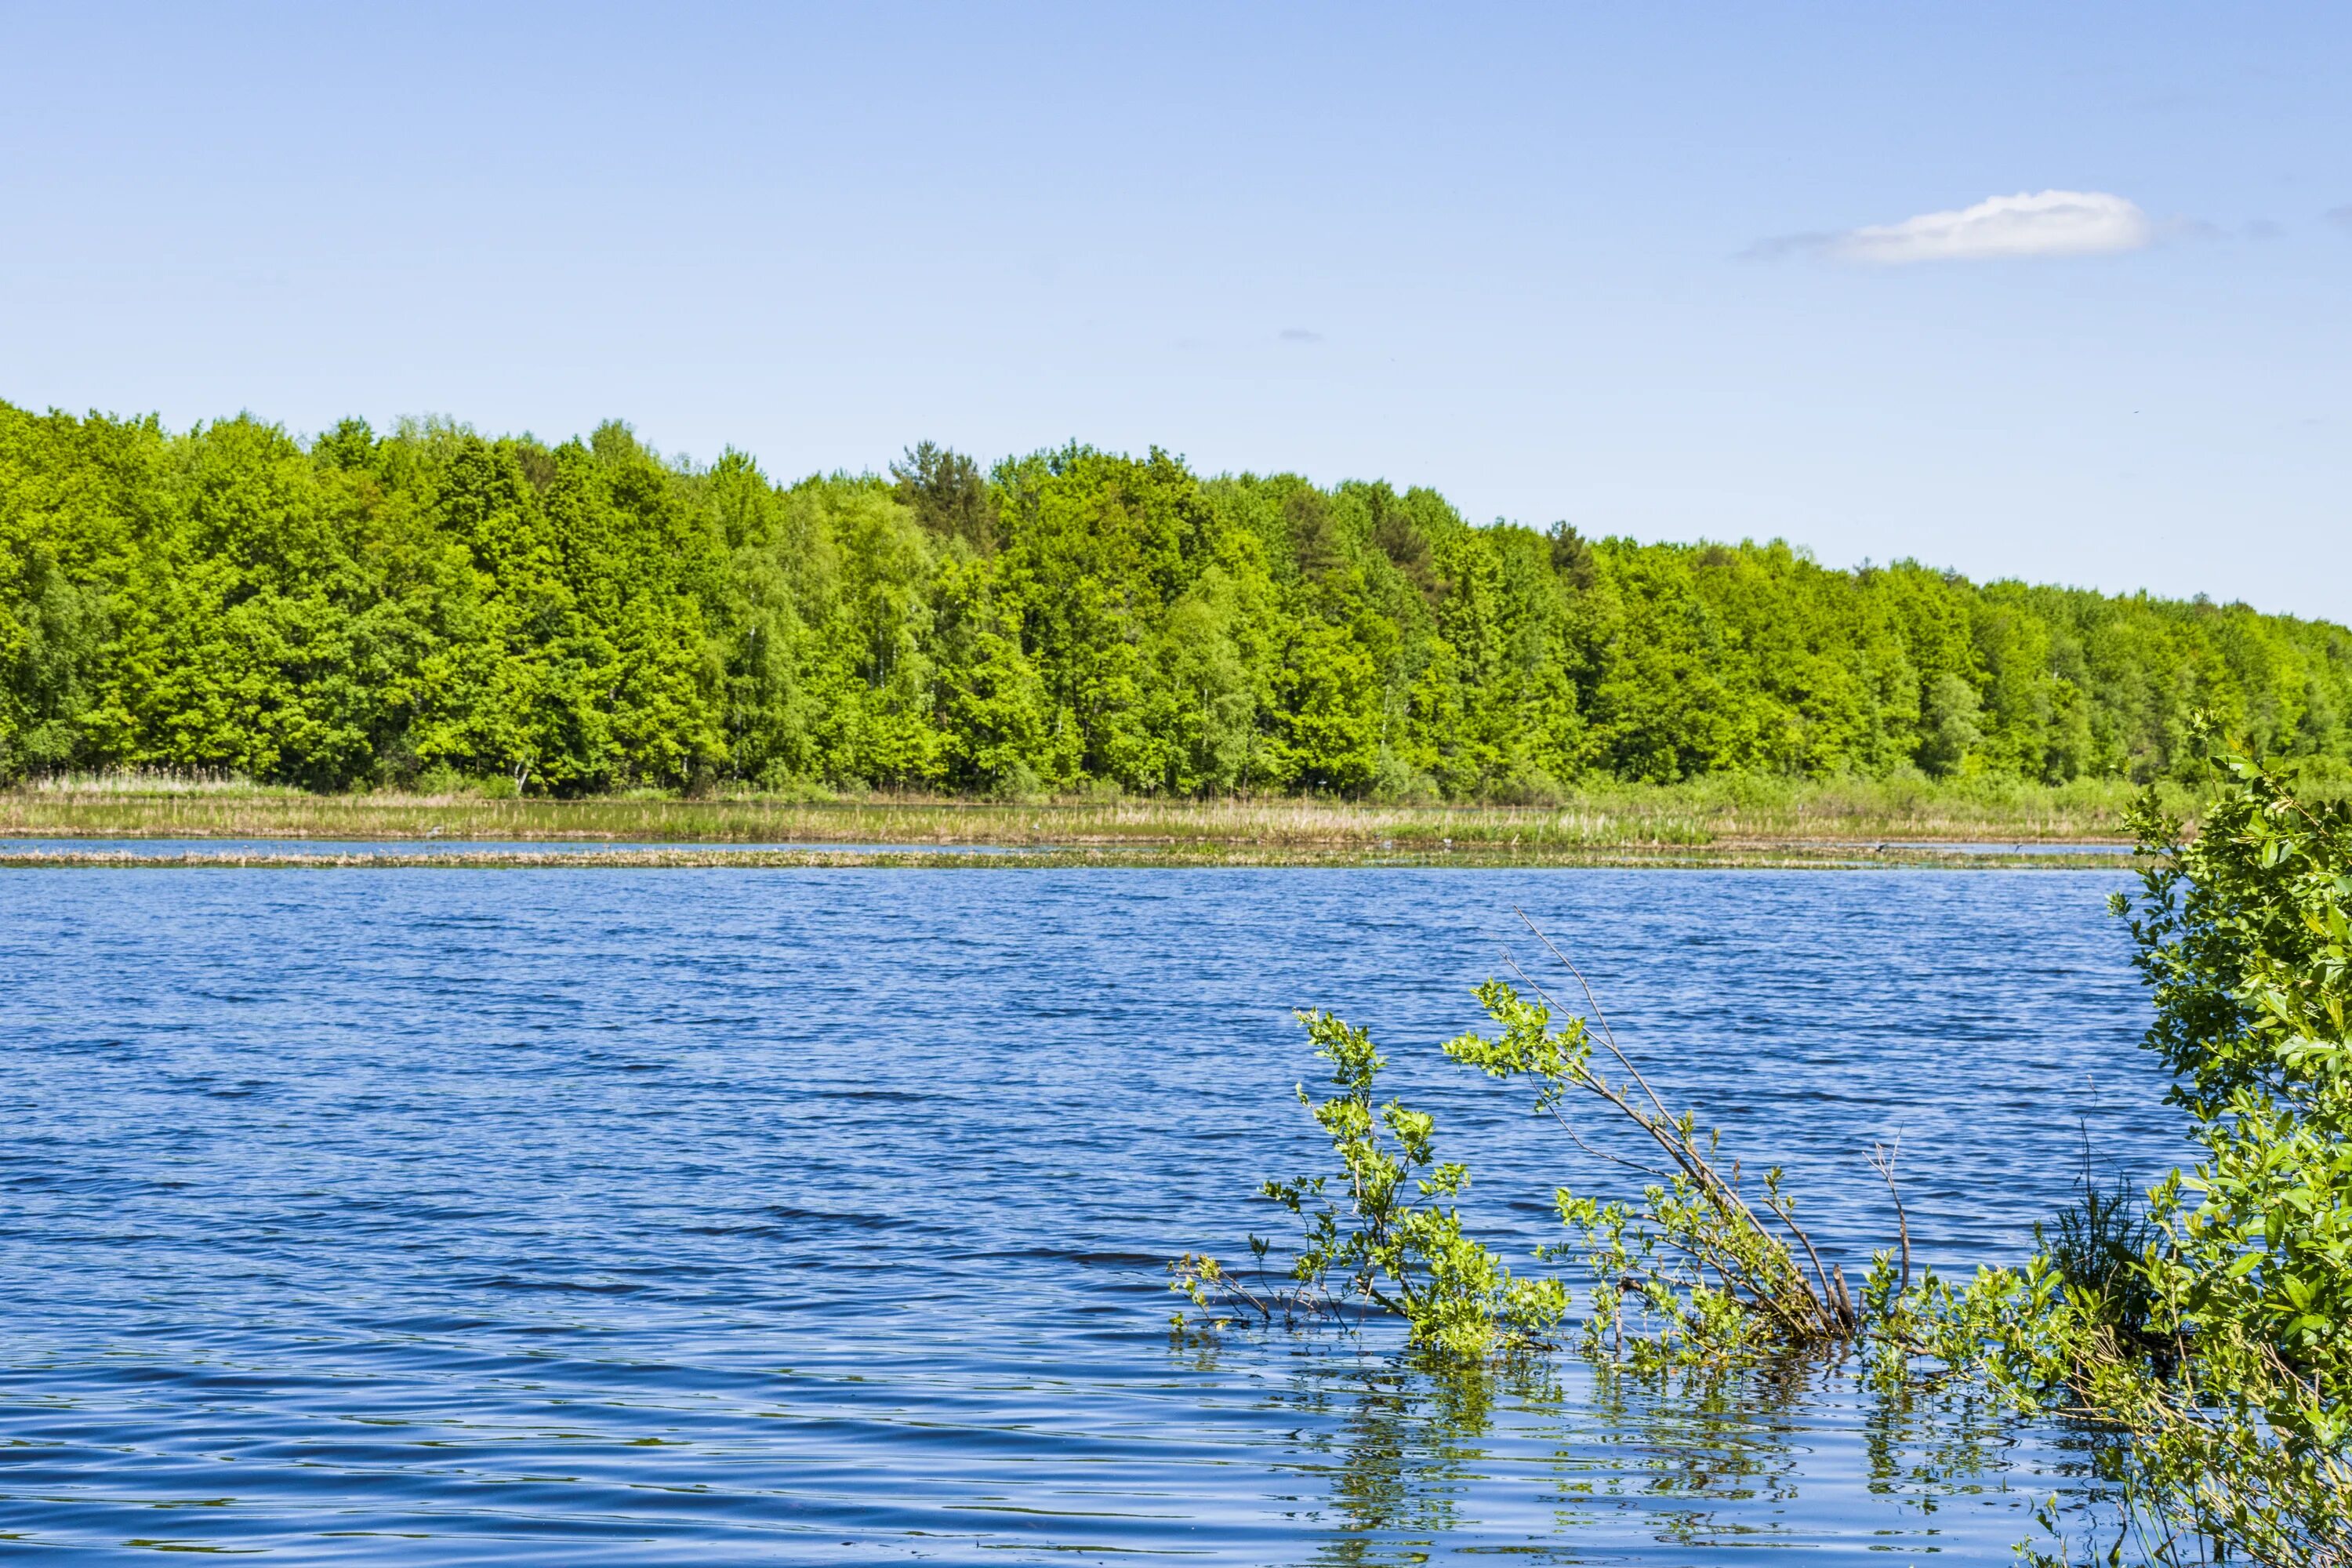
{"x":136,"y":784}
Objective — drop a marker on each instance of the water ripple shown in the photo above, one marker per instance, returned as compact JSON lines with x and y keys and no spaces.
{"x":780,"y":1216}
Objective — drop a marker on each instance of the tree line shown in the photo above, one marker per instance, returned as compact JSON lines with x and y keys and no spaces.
{"x":364,"y":611}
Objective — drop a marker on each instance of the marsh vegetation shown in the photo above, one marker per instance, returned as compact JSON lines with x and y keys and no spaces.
{"x":1725,"y":813}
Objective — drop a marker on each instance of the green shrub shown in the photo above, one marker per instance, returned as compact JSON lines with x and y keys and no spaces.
{"x":1379,"y":1232}
{"x":2222,"y":1352}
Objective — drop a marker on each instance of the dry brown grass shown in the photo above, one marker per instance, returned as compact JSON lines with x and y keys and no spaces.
{"x":1722,"y":816}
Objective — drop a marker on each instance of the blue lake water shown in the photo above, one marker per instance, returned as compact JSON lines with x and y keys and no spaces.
{"x":741,"y":1216}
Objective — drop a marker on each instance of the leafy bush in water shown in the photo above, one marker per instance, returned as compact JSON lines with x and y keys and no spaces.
{"x":1705,"y":1277}
{"x":2223,"y":1352}
{"x":1699,"y":1275}
{"x":2208,"y":1331}
{"x":1379,"y":1232}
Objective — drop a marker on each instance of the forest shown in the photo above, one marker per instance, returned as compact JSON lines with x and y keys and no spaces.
{"x":367,"y":612}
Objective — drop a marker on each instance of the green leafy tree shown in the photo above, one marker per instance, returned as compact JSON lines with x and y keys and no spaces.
{"x":592,"y":615}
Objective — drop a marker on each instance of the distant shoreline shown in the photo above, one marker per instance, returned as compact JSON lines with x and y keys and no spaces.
{"x":133,"y":822}
{"x":1827,"y":857}
{"x":1804,"y":826}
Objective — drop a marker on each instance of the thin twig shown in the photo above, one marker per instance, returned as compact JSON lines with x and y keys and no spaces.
{"x":1575,"y":1138}
{"x":1607,"y":1034}
{"x":1882,"y":1160}
{"x":1823,"y":1306}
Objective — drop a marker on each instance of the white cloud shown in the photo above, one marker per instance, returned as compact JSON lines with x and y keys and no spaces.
{"x":2047,"y":222}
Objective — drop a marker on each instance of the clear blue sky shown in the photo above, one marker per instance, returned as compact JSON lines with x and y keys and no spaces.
{"x":1648,"y":269}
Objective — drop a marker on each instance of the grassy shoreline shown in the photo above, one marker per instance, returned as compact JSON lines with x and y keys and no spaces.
{"x":1713,"y":822}
{"x":1824,"y":857}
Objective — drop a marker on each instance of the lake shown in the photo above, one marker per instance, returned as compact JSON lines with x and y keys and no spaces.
{"x":741,"y":1216}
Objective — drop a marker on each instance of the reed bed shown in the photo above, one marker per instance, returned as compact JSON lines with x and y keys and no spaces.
{"x":455,"y":857}
{"x":1723,"y":815}
{"x":146,"y":783}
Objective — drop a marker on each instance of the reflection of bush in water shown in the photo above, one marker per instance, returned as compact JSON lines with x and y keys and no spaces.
{"x":1409,"y":1437}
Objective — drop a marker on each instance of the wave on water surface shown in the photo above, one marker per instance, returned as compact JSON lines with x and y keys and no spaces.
{"x":332,"y":1233}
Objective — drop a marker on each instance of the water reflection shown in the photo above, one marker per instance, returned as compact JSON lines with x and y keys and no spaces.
{"x":1585,"y":1462}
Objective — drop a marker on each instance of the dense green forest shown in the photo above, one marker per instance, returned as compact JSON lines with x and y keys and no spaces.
{"x":365,"y":611}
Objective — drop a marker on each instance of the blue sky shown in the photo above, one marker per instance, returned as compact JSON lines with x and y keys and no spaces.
{"x":1668,"y":271}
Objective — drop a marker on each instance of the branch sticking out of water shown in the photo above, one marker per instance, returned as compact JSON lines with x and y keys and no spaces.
{"x":1382,"y":1233}
{"x":1717,"y":1269}
{"x":1711,"y":1268}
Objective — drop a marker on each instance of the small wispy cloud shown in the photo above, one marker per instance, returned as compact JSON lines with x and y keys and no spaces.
{"x":2045,"y":223}
{"x":2030,"y":224}
{"x":2340,"y":217}
{"x":1300,"y":335}
{"x":1772,"y":247}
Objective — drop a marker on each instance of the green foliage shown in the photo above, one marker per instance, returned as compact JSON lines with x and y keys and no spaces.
{"x":590,"y":617}
{"x":1703,"y":1279}
{"x":1699,"y":1275}
{"x":2223,"y":1349}
{"x":2098,"y":1248}
{"x":1379,"y":1231}
{"x":2242,"y":933}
